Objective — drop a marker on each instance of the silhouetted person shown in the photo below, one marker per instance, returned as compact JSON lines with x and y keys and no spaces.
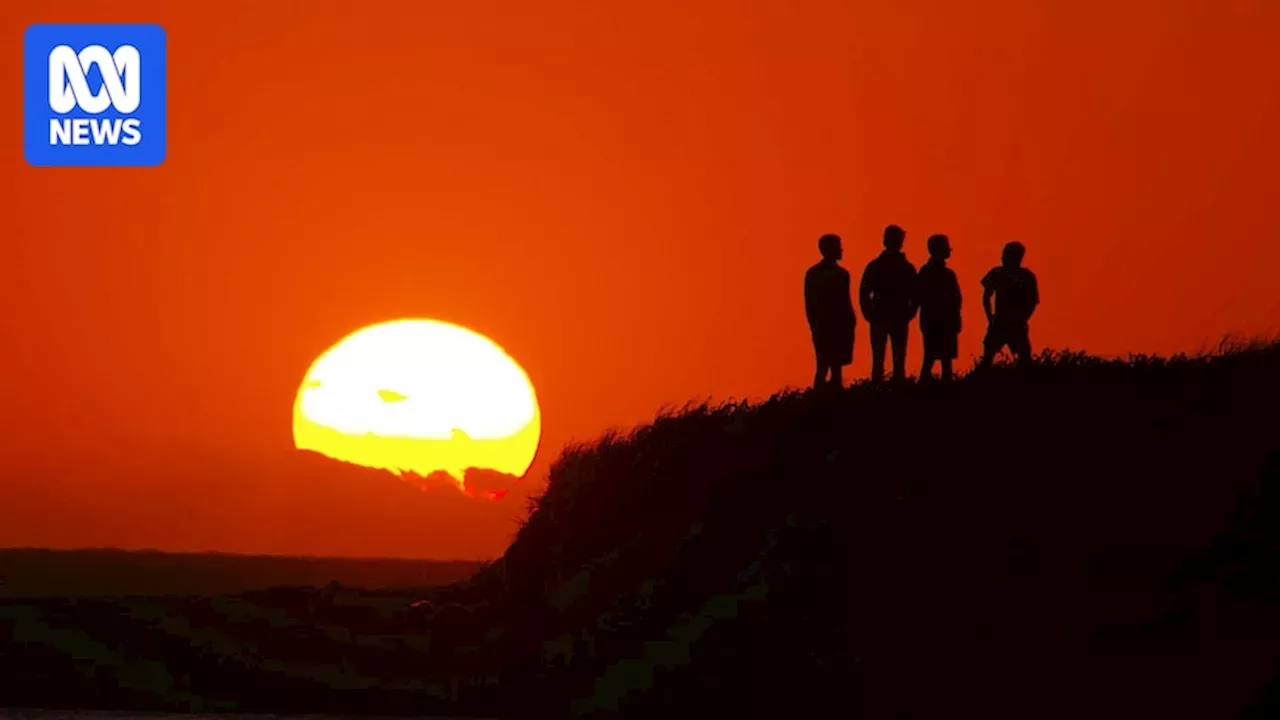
{"x":829,"y":307}
{"x":1016,"y":297}
{"x":887,"y":298}
{"x":938,"y":295}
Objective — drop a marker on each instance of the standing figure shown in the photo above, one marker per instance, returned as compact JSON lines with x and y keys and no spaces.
{"x":887,"y":298}
{"x":829,"y":308}
{"x":938,"y":294}
{"x":1016,"y":297}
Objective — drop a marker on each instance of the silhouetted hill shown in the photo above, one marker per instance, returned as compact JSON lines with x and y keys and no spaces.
{"x":38,"y":572}
{"x":1081,"y":538}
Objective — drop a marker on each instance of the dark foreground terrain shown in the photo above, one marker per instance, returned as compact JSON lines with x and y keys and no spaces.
{"x":34,"y":572}
{"x":27,"y":714}
{"x":1076,"y":539}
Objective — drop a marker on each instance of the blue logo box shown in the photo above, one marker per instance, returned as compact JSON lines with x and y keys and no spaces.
{"x":95,"y":95}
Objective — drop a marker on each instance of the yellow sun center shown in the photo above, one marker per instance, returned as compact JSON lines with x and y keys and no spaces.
{"x":420,"y":396}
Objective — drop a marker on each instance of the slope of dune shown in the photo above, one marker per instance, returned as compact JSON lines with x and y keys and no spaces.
{"x":1026,"y":544}
{"x":1081,"y":538}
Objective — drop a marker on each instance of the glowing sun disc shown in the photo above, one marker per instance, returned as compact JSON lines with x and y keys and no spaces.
{"x":420,"y":396}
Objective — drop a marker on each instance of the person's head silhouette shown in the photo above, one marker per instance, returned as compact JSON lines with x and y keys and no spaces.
{"x":894,"y":237}
{"x":939,"y":247}
{"x":829,"y":246}
{"x":1013,"y":254}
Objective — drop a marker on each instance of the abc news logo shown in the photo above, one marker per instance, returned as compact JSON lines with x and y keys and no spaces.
{"x":69,"y":89}
{"x":95,"y":95}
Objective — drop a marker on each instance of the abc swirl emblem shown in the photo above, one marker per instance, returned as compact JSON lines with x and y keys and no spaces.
{"x":94,"y":95}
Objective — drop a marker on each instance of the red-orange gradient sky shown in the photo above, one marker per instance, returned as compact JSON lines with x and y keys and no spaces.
{"x":625,"y":196}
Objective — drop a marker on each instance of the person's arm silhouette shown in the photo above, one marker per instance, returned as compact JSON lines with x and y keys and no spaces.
{"x":846,"y":296}
{"x":957,"y":300}
{"x":810,"y":299}
{"x":866,"y":289}
{"x":913,"y":293}
{"x":1033,"y":299}
{"x":989,"y":291}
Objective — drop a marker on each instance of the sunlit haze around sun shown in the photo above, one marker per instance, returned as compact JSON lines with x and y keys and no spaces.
{"x":419,"y":396}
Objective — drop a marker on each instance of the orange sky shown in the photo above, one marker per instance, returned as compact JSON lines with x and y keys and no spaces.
{"x":625,"y":198}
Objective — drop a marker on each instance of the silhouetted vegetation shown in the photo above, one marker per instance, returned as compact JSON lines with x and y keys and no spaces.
{"x":1075,"y":537}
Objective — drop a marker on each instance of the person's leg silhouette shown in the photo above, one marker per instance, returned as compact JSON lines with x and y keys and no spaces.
{"x":992,"y":344}
{"x":835,"y":381}
{"x":1020,"y":344}
{"x":926,"y":370}
{"x":898,"y":336}
{"x":879,"y":335}
{"x":989,"y":354}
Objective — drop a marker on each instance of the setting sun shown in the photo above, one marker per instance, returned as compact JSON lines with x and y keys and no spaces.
{"x":419,"y":396}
